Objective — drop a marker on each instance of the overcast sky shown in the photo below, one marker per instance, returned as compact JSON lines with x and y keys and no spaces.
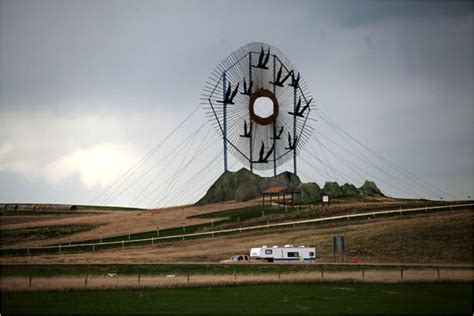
{"x":89,"y":87}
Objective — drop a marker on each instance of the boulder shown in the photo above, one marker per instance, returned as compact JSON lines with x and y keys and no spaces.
{"x":310,"y":193}
{"x":349,"y":190}
{"x":369,"y":188}
{"x":332,"y":189}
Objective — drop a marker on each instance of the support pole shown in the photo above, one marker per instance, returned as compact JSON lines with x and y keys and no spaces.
{"x":294,"y":129}
{"x":250,"y":119}
{"x":274,"y":124}
{"x":224,"y":84}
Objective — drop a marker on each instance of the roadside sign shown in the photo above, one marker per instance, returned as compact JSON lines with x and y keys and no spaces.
{"x":338,"y":245}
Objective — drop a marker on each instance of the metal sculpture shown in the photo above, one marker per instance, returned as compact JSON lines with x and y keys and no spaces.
{"x":258,"y":70}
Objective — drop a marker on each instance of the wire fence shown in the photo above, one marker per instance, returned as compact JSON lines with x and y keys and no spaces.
{"x":359,"y":273}
{"x":114,"y":244}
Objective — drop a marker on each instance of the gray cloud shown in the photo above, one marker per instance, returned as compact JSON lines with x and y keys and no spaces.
{"x":75,"y":74}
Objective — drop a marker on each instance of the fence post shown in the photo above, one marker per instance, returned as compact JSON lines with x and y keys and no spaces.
{"x":30,"y":281}
{"x":28,"y":251}
{"x":59,"y":247}
{"x":279,"y":274}
{"x":438,"y":273}
{"x":268,"y":225}
{"x":128,"y":236}
{"x":322,"y":272}
{"x":85,"y":280}
{"x":123,"y":244}
{"x":188,"y":276}
{"x":152,"y":241}
{"x":138,"y":278}
{"x":93,"y":247}
{"x":401,"y":273}
{"x":157,"y":232}
{"x":240,"y":230}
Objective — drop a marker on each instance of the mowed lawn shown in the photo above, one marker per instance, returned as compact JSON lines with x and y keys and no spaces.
{"x":433,"y":298}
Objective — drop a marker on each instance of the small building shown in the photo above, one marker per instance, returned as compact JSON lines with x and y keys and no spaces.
{"x":284,"y":195}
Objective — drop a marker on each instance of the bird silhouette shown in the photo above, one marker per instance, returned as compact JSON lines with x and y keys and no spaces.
{"x":262,"y":59}
{"x":262,"y":159}
{"x":294,"y":81}
{"x":279,"y":134}
{"x":278,"y":81}
{"x":298,"y":106}
{"x":231,"y":100}
{"x":229,"y":95}
{"x":247,"y":91}
{"x":262,"y":151}
{"x":249,"y":132}
{"x":291,"y":146}
{"x":262,"y":55}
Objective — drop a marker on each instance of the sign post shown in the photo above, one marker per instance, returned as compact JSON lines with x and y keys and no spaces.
{"x":325,"y":199}
{"x":338,"y":245}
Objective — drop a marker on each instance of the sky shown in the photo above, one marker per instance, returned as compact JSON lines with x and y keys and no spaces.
{"x":88,"y":88}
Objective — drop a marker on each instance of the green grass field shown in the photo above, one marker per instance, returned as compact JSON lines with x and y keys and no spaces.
{"x":422,"y":298}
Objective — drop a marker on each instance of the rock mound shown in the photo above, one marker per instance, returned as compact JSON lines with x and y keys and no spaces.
{"x":243,"y":186}
{"x":369,"y":188}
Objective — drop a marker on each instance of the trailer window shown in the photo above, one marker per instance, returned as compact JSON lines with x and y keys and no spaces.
{"x":268,"y":251}
{"x":293,"y":254}
{"x":311,"y":254}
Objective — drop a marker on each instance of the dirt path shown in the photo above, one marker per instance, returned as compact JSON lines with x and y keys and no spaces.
{"x":62,"y":283}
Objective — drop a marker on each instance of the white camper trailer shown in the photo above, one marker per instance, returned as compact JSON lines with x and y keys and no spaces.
{"x":285,"y":254}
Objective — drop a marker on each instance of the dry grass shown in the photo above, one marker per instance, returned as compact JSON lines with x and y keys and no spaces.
{"x":119,"y":223}
{"x":444,"y":237}
{"x":62,"y":283}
